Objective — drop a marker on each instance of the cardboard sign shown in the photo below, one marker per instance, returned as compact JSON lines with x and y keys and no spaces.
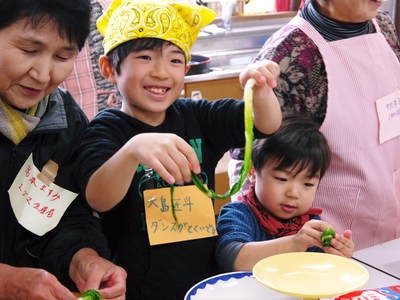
{"x":193,"y":209}
{"x":37,"y":205}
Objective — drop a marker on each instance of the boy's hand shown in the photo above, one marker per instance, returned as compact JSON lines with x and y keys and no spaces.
{"x":264,"y":72}
{"x":167,"y":154}
{"x":342,"y":245}
{"x":267,"y":114}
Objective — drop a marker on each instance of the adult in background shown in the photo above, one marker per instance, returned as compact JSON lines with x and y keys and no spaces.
{"x":49,"y":238}
{"x":85,"y":83}
{"x":339,"y":62}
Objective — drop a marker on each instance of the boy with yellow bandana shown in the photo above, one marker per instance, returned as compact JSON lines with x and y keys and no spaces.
{"x":156,"y":140}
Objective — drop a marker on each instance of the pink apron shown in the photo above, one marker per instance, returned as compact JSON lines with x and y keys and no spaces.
{"x":360,"y":190}
{"x":104,"y":3}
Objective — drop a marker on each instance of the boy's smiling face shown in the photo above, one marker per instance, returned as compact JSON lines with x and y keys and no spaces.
{"x":284,"y":193}
{"x":150,"y":81}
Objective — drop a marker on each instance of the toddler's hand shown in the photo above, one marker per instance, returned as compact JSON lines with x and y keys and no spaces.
{"x":342,"y":245}
{"x":310,"y":235}
{"x":168,"y":154}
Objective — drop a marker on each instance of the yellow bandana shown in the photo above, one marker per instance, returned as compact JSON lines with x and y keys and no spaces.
{"x":176,"y":22}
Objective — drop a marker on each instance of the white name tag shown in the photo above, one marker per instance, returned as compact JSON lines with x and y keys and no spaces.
{"x":388,"y":109}
{"x":37,"y":206}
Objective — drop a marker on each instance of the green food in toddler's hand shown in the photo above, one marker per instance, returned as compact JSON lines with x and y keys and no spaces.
{"x":327,"y":236}
{"x":90,"y":295}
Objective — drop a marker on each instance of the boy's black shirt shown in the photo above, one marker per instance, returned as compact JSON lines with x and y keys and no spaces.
{"x":165,"y":271}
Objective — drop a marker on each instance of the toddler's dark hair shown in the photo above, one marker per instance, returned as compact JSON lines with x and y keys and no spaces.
{"x":297,"y":145}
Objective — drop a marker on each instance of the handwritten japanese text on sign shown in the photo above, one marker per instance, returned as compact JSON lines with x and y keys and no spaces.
{"x":193,"y":209}
{"x":37,"y":206}
{"x":388,"y":109}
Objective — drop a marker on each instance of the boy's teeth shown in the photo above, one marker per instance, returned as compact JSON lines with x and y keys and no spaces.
{"x":157,"y":90}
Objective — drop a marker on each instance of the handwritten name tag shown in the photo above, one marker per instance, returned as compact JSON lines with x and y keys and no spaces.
{"x":37,"y":206}
{"x":388,"y":109}
{"x":193,"y":209}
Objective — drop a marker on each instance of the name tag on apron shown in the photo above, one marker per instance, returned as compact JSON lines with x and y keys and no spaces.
{"x":193,"y":209}
{"x":388,"y":109}
{"x":38,"y":206}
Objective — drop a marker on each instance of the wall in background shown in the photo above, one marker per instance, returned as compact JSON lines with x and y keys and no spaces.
{"x":397,"y":17}
{"x":390,"y":7}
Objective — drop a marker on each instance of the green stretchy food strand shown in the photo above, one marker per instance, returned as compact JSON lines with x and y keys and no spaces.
{"x":249,"y":137}
{"x":171,"y":190}
{"x":327,"y":236}
{"x":90,"y":295}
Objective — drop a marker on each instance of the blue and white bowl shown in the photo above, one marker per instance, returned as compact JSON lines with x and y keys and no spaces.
{"x":234,"y":285}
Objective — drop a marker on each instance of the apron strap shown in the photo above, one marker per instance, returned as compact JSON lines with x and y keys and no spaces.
{"x":378,"y":29}
{"x":308,"y":29}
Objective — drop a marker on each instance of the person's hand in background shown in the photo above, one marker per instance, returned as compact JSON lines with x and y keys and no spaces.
{"x":90,"y":271}
{"x":32,"y":284}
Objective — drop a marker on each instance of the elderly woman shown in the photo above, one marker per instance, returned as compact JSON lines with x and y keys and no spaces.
{"x":44,"y":223}
{"x":339,"y":63}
